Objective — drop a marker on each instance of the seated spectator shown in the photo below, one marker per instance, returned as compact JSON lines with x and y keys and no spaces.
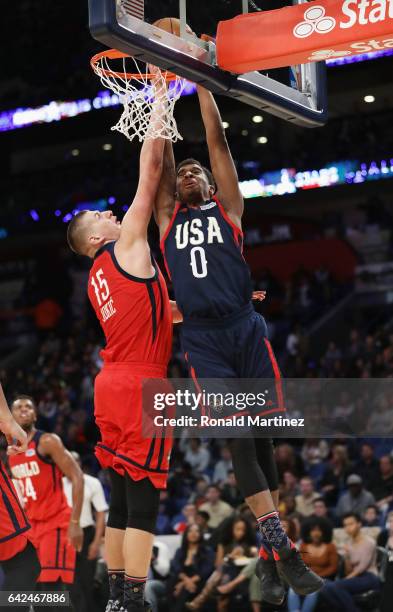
{"x":217,"y":509}
{"x":230,"y":492}
{"x":385,"y":539}
{"x":320,"y":509}
{"x":236,"y":546}
{"x":367,"y":467}
{"x":190,"y":568}
{"x":223,"y":466}
{"x":198,"y":496}
{"x":383,"y":487}
{"x":202,"y":520}
{"x":314,"y":451}
{"x":333,"y":481}
{"x":356,"y":499}
{"x":381,"y":419}
{"x":319,"y":552}
{"x":158,"y":573}
{"x":288,"y":461}
{"x":181,"y":521}
{"x":304,"y":501}
{"x":289,"y":485}
{"x":370,"y":516}
{"x":197,"y":456}
{"x":361,"y":574}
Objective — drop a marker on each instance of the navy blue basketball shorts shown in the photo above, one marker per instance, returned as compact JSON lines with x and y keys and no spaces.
{"x":234,"y":347}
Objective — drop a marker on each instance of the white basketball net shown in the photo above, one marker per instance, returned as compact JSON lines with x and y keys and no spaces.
{"x":138,"y":96}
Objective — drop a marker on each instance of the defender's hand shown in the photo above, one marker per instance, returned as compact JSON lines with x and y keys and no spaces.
{"x":75,"y":535}
{"x":259,"y":296}
{"x":16,"y":437}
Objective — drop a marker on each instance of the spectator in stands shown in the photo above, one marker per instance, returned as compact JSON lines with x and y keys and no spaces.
{"x":320,"y":509}
{"x":333,"y":481}
{"x":367,"y":467}
{"x":230,"y":492}
{"x":191,"y":566}
{"x":197,"y":456}
{"x":383,"y":487}
{"x":314,"y":451}
{"x":181,"y":521}
{"x":381,"y":419}
{"x":217,"y":509}
{"x":356,"y":499}
{"x":332,"y":354}
{"x":304,"y":501}
{"x":202,"y":520}
{"x":222,"y":467}
{"x":370,"y":516}
{"x":236,"y":546}
{"x":361,"y":572}
{"x":287,"y":460}
{"x":289,"y":486}
{"x":198,"y":496}
{"x":385,"y":539}
{"x":320,"y":554}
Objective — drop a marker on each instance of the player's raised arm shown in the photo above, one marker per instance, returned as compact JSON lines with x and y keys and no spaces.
{"x":136,"y":220}
{"x":51,"y":446}
{"x":165,"y":199}
{"x":16,"y":437}
{"x":221,"y":160}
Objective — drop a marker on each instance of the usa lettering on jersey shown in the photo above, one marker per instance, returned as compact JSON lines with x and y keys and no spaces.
{"x":104,"y":299}
{"x":190,"y":232}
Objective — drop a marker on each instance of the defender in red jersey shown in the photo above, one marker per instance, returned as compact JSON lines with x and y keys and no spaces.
{"x":55,"y":530}
{"x":129,"y":296}
{"x":18,"y":557}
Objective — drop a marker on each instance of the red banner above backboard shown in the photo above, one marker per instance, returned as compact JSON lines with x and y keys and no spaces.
{"x":310,"y":32}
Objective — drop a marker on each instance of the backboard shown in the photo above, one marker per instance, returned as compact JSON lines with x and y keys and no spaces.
{"x":121,"y":24}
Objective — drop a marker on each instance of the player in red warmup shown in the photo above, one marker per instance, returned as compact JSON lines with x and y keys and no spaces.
{"x":129,"y":296}
{"x":18,"y":557}
{"x":55,"y":529}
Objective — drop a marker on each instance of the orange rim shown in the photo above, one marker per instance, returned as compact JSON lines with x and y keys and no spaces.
{"x":111,"y":54}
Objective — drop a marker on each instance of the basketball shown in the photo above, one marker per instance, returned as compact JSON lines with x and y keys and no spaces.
{"x":169,"y":24}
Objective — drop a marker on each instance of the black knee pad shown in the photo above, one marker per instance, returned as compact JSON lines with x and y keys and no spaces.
{"x":142,"y":504}
{"x":117,"y":517}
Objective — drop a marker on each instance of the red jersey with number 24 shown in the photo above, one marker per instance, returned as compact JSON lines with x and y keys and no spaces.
{"x":40,"y":484}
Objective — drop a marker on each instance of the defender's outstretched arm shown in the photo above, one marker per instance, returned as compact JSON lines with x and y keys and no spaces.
{"x":165,"y":199}
{"x":16,"y":437}
{"x":136,"y":220}
{"x":221,"y":160}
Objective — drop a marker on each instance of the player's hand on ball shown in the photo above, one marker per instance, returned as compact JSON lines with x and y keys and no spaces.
{"x":16,"y":437}
{"x":259,"y":296}
{"x":75,"y":535}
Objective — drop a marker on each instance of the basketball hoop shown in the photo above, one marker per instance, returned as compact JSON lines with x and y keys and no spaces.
{"x":137,"y":95}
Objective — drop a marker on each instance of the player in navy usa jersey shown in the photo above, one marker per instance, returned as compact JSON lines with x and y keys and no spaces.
{"x":222,"y":336}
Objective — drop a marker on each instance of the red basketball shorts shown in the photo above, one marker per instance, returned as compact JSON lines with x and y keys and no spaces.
{"x":55,"y":552}
{"x":119,"y":411}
